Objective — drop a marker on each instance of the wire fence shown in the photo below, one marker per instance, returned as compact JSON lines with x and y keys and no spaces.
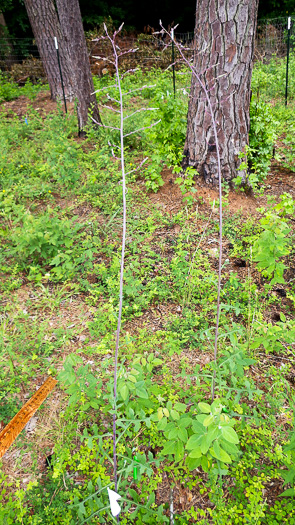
{"x":20,"y":56}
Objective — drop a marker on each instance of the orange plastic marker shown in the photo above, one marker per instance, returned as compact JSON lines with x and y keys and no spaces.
{"x":18,"y":423}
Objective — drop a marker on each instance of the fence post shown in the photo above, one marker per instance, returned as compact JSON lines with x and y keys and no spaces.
{"x":173,"y":60}
{"x":60,"y":72}
{"x":287,"y":66}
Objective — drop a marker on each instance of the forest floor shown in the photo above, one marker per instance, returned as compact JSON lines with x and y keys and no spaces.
{"x":44,"y":322}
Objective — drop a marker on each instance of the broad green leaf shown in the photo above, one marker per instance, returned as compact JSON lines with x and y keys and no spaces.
{"x":94,"y":404}
{"x":169,"y":448}
{"x":229,"y":447}
{"x":193,"y":463}
{"x":208,"y":420}
{"x":174,"y":414}
{"x":290,"y":493}
{"x":136,"y":426}
{"x":193,"y":442}
{"x":169,"y":427}
{"x":141,"y":392}
{"x":230,"y":435}
{"x":173,"y":433}
{"x":212,"y":434}
{"x":181,"y":407}
{"x":124,"y":391}
{"x":196,"y":453}
{"x":201,"y":417}
{"x":184,"y":422}
{"x":204,"y":445}
{"x":160,"y":413}
{"x":133,"y":494}
{"x":182,"y":434}
{"x":132,"y":378}
{"x":198,"y":428}
{"x":179,"y":451}
{"x":204,"y":407}
{"x":218,"y":453}
{"x":205,"y":463}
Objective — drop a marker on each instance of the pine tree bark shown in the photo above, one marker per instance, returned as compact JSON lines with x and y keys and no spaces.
{"x":45,"y":25}
{"x":224,"y":47}
{"x":73,"y":33}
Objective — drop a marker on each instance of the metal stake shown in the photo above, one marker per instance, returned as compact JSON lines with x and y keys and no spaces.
{"x":60,"y":72}
{"x":287,"y":66}
{"x":173,"y":60}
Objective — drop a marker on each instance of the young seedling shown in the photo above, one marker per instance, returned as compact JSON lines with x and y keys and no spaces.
{"x":117,"y":54}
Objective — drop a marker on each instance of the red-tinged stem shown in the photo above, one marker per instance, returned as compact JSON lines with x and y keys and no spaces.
{"x":206,"y":92}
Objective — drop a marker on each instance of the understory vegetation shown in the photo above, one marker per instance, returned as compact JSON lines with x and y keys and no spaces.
{"x":181,"y":456}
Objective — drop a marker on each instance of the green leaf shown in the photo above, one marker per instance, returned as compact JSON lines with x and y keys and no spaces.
{"x":181,"y":407}
{"x":201,"y":418}
{"x":205,"y":445}
{"x":142,"y":393}
{"x":193,"y":442}
{"x":205,"y":463}
{"x":124,"y":391}
{"x":182,"y":434}
{"x":184,"y":422}
{"x":212,"y":434}
{"x":174,"y":415}
{"x":173,"y":433}
{"x":218,"y":453}
{"x":136,"y":426}
{"x":196,"y":453}
{"x":290,"y":493}
{"x":169,"y":448}
{"x":132,"y":378}
{"x":198,"y":428}
{"x":179,"y":451}
{"x":162,"y":424}
{"x":229,"y":447}
{"x":230,"y":434}
{"x":204,"y":407}
{"x":193,"y":463}
{"x":208,"y":420}
{"x":94,"y":404}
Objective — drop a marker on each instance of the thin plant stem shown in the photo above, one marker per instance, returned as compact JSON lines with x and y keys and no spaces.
{"x":112,"y":40}
{"x":206,"y":92}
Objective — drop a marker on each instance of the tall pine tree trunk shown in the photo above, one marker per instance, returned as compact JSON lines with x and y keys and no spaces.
{"x":224,"y":46}
{"x":45,"y":25}
{"x":72,"y":29}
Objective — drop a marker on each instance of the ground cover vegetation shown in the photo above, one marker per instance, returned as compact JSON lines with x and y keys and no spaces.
{"x":181,"y":457}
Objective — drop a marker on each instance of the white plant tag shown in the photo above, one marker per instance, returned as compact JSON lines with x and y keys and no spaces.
{"x":115,"y":507}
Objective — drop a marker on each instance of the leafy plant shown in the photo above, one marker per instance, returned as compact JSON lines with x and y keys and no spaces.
{"x":257,"y":156}
{"x":272,"y":243}
{"x":45,"y":240}
{"x":208,"y":436}
{"x":186,"y":183}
